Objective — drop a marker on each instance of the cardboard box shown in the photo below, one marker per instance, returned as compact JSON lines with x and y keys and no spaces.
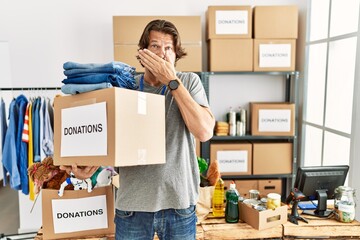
{"x":127,"y":31}
{"x":262,"y":219}
{"x":267,"y":186}
{"x":229,"y":22}
{"x":276,"y":21}
{"x":77,"y":213}
{"x":230,"y":54}
{"x":243,"y":186}
{"x":272,"y":118}
{"x":274,"y":55}
{"x":109,"y":127}
{"x":190,"y":63}
{"x":198,"y":147}
{"x":233,"y":159}
{"x":272,"y":158}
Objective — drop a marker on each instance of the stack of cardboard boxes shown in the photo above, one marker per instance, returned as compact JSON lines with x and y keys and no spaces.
{"x":109,"y":127}
{"x":229,"y":35}
{"x":275,"y":34}
{"x":128,"y":30}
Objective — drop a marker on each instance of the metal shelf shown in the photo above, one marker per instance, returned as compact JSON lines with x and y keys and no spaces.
{"x":291,"y":95}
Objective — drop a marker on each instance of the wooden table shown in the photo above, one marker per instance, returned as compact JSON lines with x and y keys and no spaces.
{"x":218,"y":229}
{"x":321,"y":228}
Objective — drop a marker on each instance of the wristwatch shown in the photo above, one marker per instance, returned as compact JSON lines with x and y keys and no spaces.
{"x":173,"y":84}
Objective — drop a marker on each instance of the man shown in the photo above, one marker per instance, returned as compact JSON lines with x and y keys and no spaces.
{"x":161,"y":198}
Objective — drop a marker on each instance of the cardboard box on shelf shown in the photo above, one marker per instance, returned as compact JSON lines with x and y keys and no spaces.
{"x":233,"y":159}
{"x":77,"y":213}
{"x":276,"y":21}
{"x":127,"y":31}
{"x":262,"y":219}
{"x":192,"y":62}
{"x":274,"y":55}
{"x":267,"y":186}
{"x":243,"y":186}
{"x":272,"y":158}
{"x":229,"y":22}
{"x":272,"y":118}
{"x":230,"y":54}
{"x":109,"y":127}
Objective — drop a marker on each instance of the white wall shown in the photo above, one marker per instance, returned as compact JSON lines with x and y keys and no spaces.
{"x":43,"y":34}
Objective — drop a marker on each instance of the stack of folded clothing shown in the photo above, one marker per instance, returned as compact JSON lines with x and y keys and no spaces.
{"x":221,"y":128}
{"x":85,"y":77}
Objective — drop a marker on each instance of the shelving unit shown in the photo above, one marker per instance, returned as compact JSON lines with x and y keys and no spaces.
{"x":291,"y":95}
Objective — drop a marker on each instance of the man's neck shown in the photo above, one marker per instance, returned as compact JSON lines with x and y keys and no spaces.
{"x":150,"y":79}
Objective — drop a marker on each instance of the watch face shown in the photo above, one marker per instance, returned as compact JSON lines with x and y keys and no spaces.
{"x":173,"y":84}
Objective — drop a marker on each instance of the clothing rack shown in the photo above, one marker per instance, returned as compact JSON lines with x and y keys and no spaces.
{"x":30,"y":88}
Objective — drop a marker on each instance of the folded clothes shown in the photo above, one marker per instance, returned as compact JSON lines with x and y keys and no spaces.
{"x":74,"y":65}
{"x":115,"y":80}
{"x":81,"y":88}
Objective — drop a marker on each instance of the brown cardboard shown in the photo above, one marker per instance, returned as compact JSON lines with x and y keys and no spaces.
{"x":274,"y":43}
{"x":192,"y":62}
{"x":272,"y":65}
{"x":272,"y":158}
{"x":47,"y":214}
{"x":135,"y":127}
{"x":198,"y":147}
{"x":211,"y":21}
{"x":128,"y":29}
{"x":255,"y":107}
{"x":276,"y":21}
{"x":240,"y":163}
{"x":230,"y":54}
{"x":262,"y":219}
{"x":269,"y":186}
{"x":243,"y":186}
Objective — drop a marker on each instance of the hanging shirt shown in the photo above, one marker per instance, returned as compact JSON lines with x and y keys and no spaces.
{"x":21,"y":147}
{"x":30,"y":155}
{"x":36,"y":129}
{"x":3,"y":128}
{"x":9,"y":158}
{"x":48,"y":141}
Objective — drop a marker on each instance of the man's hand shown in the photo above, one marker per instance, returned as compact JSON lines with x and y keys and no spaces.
{"x":80,"y":172}
{"x":162,"y":69}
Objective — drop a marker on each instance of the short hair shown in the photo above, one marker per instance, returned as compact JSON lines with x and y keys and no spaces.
{"x":164,"y":27}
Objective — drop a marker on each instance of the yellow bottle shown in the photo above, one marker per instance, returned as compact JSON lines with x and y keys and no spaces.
{"x":218,"y":199}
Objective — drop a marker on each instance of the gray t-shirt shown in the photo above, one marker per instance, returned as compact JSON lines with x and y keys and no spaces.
{"x":175,"y":184}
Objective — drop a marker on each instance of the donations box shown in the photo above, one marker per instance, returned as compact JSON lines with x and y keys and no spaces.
{"x":78,"y":213}
{"x":233,"y":159}
{"x":109,"y":127}
{"x":272,"y":119}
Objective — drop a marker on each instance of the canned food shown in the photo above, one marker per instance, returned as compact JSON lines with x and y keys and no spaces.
{"x":273,"y":201}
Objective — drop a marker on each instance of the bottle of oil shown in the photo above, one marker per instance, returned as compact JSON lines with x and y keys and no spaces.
{"x":218,"y":199}
{"x":232,"y":204}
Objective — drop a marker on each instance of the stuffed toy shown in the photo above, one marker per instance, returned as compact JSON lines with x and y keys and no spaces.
{"x":103,"y":177}
{"x":45,"y":174}
{"x":78,"y":184}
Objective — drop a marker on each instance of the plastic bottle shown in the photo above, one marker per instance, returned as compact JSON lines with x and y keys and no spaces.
{"x":218,"y":199}
{"x":232,"y":204}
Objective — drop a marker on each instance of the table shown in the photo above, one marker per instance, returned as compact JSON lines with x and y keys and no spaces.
{"x":218,"y":229}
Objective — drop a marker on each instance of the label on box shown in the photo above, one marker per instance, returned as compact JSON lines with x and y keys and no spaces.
{"x":274,"y":55}
{"x":231,"y":22}
{"x":232,"y":161}
{"x":79,"y":214}
{"x":274,"y":120}
{"x":84,"y":130}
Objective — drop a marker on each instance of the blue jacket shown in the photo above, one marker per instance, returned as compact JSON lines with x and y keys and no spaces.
{"x":9,"y":159}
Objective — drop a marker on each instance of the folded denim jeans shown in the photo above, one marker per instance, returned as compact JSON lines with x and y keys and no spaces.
{"x":116,"y":80}
{"x":74,"y":65}
{"x":81,"y":88}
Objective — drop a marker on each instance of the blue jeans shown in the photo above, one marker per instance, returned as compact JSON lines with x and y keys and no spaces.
{"x":174,"y":224}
